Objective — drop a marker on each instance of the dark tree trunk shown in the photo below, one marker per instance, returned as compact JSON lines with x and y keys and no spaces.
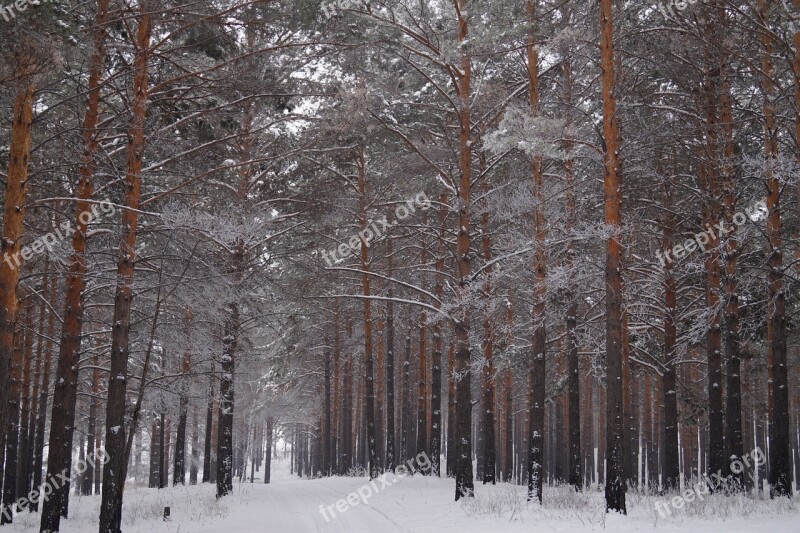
{"x":23,"y":474}
{"x":226,"y":404}
{"x":193,"y":466}
{"x":615,"y":431}
{"x":405,"y":453}
{"x":537,"y":381}
{"x":463,"y":420}
{"x":12,"y":428}
{"x":733,"y":409}
{"x":671,"y":462}
{"x":114,"y":469}
{"x":390,"y":367}
{"x":326,"y":428}
{"x":44,"y":388}
{"x":780,"y":452}
{"x":208,"y":431}
{"x":374,"y":466}
{"x":13,"y":229}
{"x":268,"y":458}
{"x":451,"y":411}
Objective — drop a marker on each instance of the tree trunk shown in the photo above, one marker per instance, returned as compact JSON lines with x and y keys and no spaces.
{"x":268,"y":459}
{"x":710,"y":184}
{"x":23,"y":474}
{"x":12,"y":428}
{"x":36,"y":410}
{"x":193,"y":467}
{"x":780,"y":468}
{"x":405,"y":453}
{"x":87,"y":480}
{"x":13,"y":217}
{"x":226,"y":401}
{"x":41,"y":420}
{"x":733,"y":410}
{"x":573,"y":377}
{"x":451,"y":411}
{"x":390,"y":367}
{"x":538,"y":369}
{"x":114,"y":469}
{"x":463,"y":419}
{"x":436,"y":369}
{"x":671,"y":465}
{"x":65,"y":390}
{"x":369,"y":363}
{"x":488,"y":381}
{"x":208,"y":431}
{"x":179,"y":468}
{"x":615,"y":431}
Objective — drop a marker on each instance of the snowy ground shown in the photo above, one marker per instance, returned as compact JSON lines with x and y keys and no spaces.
{"x":414,"y":504}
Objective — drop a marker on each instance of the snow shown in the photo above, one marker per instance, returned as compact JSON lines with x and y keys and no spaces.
{"x":412,"y":504}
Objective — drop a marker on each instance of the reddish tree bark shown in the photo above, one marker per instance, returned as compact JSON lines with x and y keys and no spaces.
{"x":615,"y":431}
{"x":114,"y":469}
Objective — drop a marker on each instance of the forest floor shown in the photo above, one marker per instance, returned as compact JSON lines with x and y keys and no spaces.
{"x":412,"y":504}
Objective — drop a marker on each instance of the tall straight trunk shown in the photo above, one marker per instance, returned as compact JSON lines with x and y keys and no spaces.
{"x":179,"y":468}
{"x":195,"y":461}
{"x":369,"y":362}
{"x":268,"y":458}
{"x":208,"y":431}
{"x":65,"y":391}
{"x":114,"y":469}
{"x":488,"y":382}
{"x":780,"y":454}
{"x":465,"y":484}
{"x":13,"y":229}
{"x":347,"y":417}
{"x":380,"y":427}
{"x":337,"y":395}
{"x":390,"y":367}
{"x":796,"y":71}
{"x":733,"y":408}
{"x":226,"y":396}
{"x":41,"y":420}
{"x":162,"y":451}
{"x":155,"y":454}
{"x":29,"y":451}
{"x":509,"y":398}
{"x":87,"y":479}
{"x":23,"y":474}
{"x":12,"y":428}
{"x":615,"y":431}
{"x":573,"y":377}
{"x":422,"y":369}
{"x":538,"y":369}
{"x":587,"y":410}
{"x":326,"y":427}
{"x":451,"y":411}
{"x":710,"y":183}
{"x":438,"y":342}
{"x":232,"y":324}
{"x":647,"y":432}
{"x":405,"y":453}
{"x":671,"y":464}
